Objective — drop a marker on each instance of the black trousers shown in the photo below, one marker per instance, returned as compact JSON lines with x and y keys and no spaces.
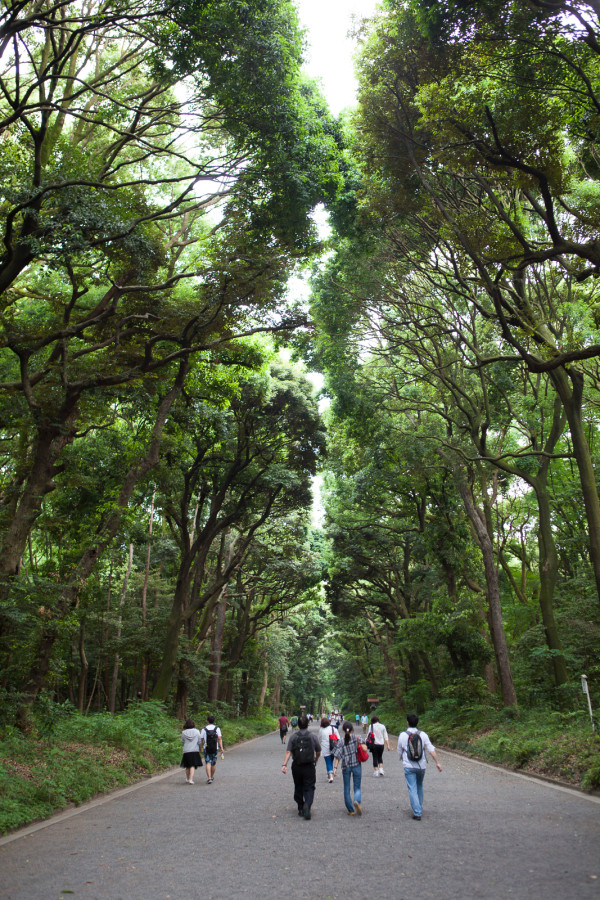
{"x":305,"y":779}
{"x":377,"y":755}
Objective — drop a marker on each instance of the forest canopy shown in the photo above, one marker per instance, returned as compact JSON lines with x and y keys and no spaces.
{"x":160,"y":166}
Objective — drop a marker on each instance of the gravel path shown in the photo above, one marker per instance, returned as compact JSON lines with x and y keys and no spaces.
{"x":485,"y":833}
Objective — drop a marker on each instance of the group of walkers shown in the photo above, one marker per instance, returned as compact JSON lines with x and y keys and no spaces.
{"x":339,"y":746}
{"x":305,"y":747}
{"x":209,"y":741}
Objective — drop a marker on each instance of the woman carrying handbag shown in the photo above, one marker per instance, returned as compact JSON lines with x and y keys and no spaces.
{"x":347,"y":751}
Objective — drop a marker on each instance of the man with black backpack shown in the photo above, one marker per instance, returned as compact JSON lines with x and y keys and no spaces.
{"x":412,"y":745}
{"x":212,"y":742}
{"x":305,"y":748}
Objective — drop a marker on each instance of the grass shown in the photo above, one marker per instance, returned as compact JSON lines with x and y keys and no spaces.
{"x":543,"y":742}
{"x":70,"y":758}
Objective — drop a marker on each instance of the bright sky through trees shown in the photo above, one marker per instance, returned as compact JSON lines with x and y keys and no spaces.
{"x":330,"y":48}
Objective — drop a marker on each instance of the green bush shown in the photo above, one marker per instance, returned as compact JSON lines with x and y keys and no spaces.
{"x":79,"y":757}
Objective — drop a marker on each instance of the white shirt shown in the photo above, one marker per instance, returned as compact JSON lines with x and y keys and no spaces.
{"x":210,"y":728}
{"x":402,"y":750}
{"x":380,"y":732}
{"x":324,"y":738}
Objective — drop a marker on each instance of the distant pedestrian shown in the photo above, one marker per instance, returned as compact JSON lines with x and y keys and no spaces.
{"x":283,"y":726}
{"x":364,"y":721}
{"x":191,"y":759}
{"x":346,"y":750}
{"x":328,"y":736}
{"x":294,"y":722}
{"x":305,"y":748}
{"x":212,"y":741}
{"x":381,"y":739}
{"x":412,"y":745}
{"x":341,"y":722}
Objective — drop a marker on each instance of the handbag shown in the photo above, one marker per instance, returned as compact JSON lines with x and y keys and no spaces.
{"x":370,"y":742}
{"x":363,"y":753}
{"x":333,"y":739}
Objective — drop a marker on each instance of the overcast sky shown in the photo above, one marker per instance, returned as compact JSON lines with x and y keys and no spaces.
{"x":329,"y":54}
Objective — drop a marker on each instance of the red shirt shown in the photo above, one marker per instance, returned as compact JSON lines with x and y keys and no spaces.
{"x":283,"y":720}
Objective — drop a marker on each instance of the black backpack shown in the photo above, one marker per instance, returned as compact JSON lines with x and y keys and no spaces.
{"x":414,"y":746}
{"x":212,"y":742}
{"x":303,"y":749}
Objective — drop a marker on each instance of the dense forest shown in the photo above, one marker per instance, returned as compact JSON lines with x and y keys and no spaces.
{"x":160,"y":165}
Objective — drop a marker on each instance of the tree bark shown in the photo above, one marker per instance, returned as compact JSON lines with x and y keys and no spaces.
{"x":496,"y":625}
{"x":265,"y":682}
{"x":51,"y":439}
{"x":83,"y":671}
{"x":115,"y":673}
{"x":216,"y":653}
{"x":144,"y":672}
{"x":569,"y":388}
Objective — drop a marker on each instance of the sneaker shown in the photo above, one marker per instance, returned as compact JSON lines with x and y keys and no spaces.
{"x":306,"y":811}
{"x":418,"y":818}
{"x":375,"y":774}
{"x":381,"y":772}
{"x":357,"y":808}
{"x":349,"y":813}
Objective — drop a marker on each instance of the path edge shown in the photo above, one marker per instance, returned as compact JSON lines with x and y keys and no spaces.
{"x":107,"y":796}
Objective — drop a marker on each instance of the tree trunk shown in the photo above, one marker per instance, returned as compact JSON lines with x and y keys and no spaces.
{"x":569,"y":388}
{"x":276,"y":701}
{"x":37,"y":674}
{"x":83,"y":671}
{"x":115,"y":675}
{"x":548,"y":572}
{"x":496,"y":625}
{"x":263,"y":690}
{"x":391,"y":665}
{"x":144,"y":673}
{"x":216,"y":653}
{"x":39,"y":481}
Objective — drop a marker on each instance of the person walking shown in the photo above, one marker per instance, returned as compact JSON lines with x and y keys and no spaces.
{"x":283,"y":726}
{"x":305,"y":748}
{"x":212,"y":741}
{"x":364,"y":720}
{"x":346,"y":750}
{"x":191,"y":759}
{"x":328,"y":736}
{"x":412,"y":745}
{"x":381,"y":739}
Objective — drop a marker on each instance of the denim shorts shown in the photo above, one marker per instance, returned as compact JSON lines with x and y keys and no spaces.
{"x":210,"y":758}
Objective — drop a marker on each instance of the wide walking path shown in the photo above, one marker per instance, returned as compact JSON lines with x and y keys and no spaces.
{"x":485,"y":833}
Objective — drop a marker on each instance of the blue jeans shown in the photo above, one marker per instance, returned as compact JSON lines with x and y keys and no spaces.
{"x":356,"y":773}
{"x":329,"y":763}
{"x":414,"y":781}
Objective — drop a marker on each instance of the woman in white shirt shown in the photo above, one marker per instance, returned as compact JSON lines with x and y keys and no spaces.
{"x":381,"y":739}
{"x":326,"y":731}
{"x":191,"y":759}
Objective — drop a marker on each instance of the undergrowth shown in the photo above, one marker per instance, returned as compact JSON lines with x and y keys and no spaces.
{"x":69,"y":758}
{"x":545,"y":742}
